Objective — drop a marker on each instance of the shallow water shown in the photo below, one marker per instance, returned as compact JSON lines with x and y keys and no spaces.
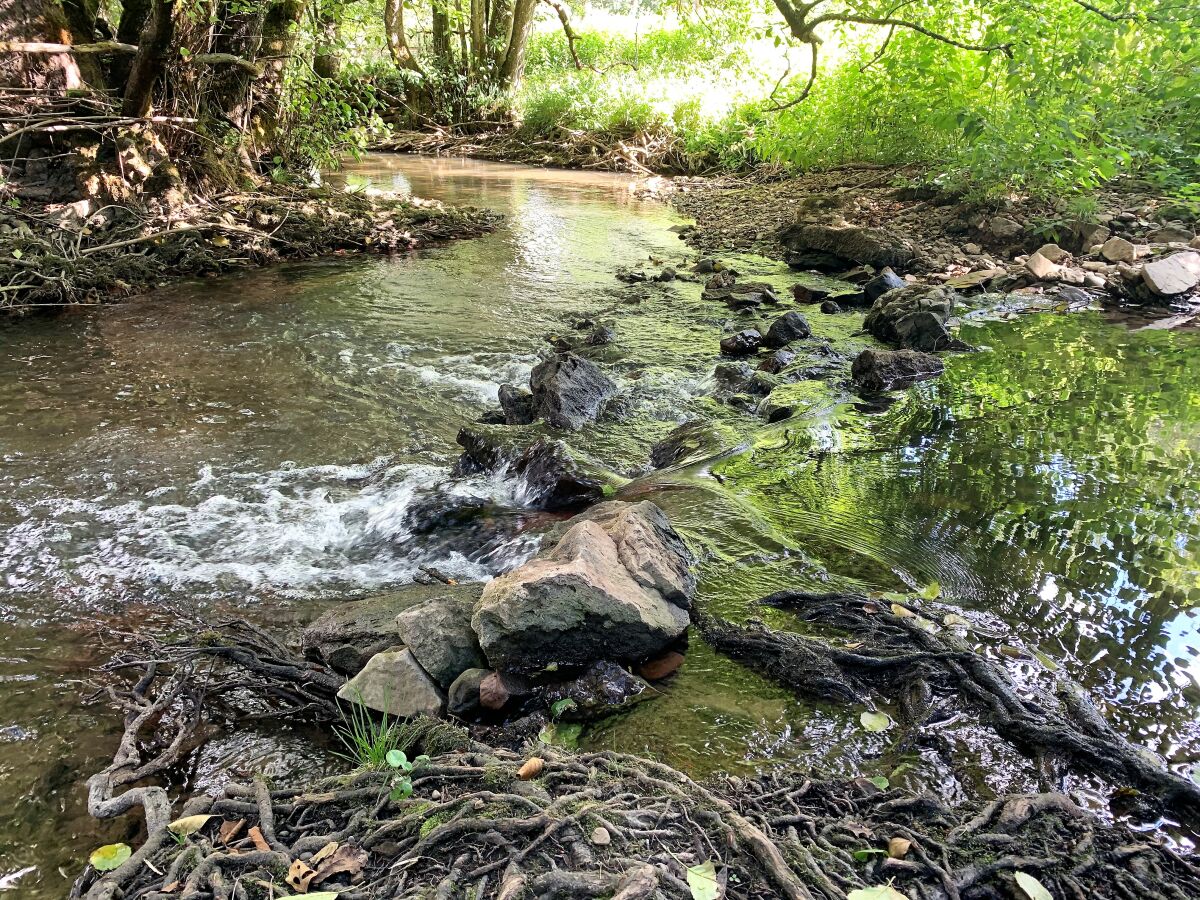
{"x":255,"y":443}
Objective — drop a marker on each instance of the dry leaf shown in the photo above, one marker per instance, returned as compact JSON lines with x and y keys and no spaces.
{"x":299,"y":876}
{"x":321,"y":854}
{"x":188,"y":824}
{"x":260,"y":842}
{"x":532,"y":769}
{"x":230,"y":830}
{"x":172,"y":887}
{"x":902,"y":611}
{"x":898,"y":847}
{"x":346,"y":860}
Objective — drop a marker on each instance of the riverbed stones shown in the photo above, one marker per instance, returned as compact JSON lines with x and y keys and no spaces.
{"x":886,"y":370}
{"x":517,"y":405}
{"x":347,"y":635}
{"x":741,"y":343}
{"x":1042,"y":268}
{"x":876,"y":247}
{"x":569,"y":391}
{"x":439,"y":634}
{"x":1005,"y":227}
{"x":462,"y":697}
{"x":1118,"y":250}
{"x":789,"y":327}
{"x":913,"y":317}
{"x":803,"y":293}
{"x":697,"y":439}
{"x":777,"y":361}
{"x":393,"y":682}
{"x":1173,"y":275}
{"x":602,"y":689}
{"x":616,"y":586}
{"x":885,"y":281}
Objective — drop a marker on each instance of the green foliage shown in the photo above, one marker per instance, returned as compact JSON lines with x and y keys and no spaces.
{"x":323,"y":119}
{"x":368,"y":740}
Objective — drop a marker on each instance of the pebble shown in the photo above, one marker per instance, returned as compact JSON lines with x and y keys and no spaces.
{"x":601,"y":837}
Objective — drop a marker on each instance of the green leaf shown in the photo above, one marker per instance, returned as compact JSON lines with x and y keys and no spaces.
{"x":864,"y":855}
{"x":931,"y":591}
{"x":702,"y":881}
{"x":1031,"y":887}
{"x":108,"y":857}
{"x":883,"y":892}
{"x":875,"y":721}
{"x":17,"y":254}
{"x":561,"y":706}
{"x":401,"y":790}
{"x":1050,"y":664}
{"x":397,"y":759}
{"x":880,"y":782}
{"x":322,"y":895}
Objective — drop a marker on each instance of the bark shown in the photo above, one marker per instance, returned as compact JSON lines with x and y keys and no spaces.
{"x":499,"y":29}
{"x":440,"y":38}
{"x":278,"y":40}
{"x":134,"y":14}
{"x":479,"y":34}
{"x":151,"y":59}
{"x":397,"y":41}
{"x":238,"y":34}
{"x":25,"y":21}
{"x":327,"y":61}
{"x":514,"y":60}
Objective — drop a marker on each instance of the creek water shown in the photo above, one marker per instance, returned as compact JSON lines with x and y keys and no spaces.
{"x":253,"y":445}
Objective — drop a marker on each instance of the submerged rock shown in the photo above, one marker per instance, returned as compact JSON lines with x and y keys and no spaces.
{"x":886,"y":370}
{"x":616,"y":586}
{"x":393,"y":682}
{"x":690,"y":441}
{"x":741,"y":343}
{"x":569,"y":391}
{"x":913,"y":317}
{"x":787,"y":328}
{"x":876,"y":247}
{"x":603,"y":689}
{"x":438,"y":632}
{"x":777,"y":362}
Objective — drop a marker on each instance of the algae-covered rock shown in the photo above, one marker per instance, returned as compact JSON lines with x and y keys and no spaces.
{"x":438,"y":632}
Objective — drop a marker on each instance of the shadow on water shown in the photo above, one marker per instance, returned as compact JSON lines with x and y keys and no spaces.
{"x":259,"y":443}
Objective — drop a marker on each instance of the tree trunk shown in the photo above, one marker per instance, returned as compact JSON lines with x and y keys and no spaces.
{"x":238,"y":33}
{"x":478,"y":34}
{"x":397,"y":40}
{"x":278,"y":40}
{"x":326,"y":59}
{"x":498,"y":31}
{"x":151,"y":59}
{"x":23,"y":21}
{"x":440,"y":38}
{"x":514,"y":60}
{"x":134,"y":14}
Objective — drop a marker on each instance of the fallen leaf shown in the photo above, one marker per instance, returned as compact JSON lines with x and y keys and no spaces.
{"x":322,"y":895}
{"x":532,"y":769}
{"x":108,"y":857}
{"x":954,"y":619}
{"x":1050,"y":664}
{"x":883,"y":892}
{"x":864,"y":855}
{"x":902,"y":611}
{"x":880,"y":782}
{"x":326,"y":851}
{"x":172,"y":887}
{"x":188,"y":825}
{"x":1031,"y":887}
{"x":1010,"y":652}
{"x":875,"y":721}
{"x":230,"y":830}
{"x":931,"y":591}
{"x":219,"y":241}
{"x":260,"y":842}
{"x":299,"y":875}
{"x":898,"y":847}
{"x":346,"y":860}
{"x":702,"y":881}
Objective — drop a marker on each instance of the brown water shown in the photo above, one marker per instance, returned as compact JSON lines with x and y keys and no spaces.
{"x":254,"y":443}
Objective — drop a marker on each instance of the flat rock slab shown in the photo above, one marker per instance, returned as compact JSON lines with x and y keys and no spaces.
{"x":1174,"y":274}
{"x":393,"y":682}
{"x":886,"y":370}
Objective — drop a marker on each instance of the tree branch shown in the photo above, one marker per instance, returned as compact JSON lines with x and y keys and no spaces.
{"x":856,"y":19}
{"x":812,"y":79}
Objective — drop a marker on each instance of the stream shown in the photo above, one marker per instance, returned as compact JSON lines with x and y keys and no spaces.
{"x":251,"y":445}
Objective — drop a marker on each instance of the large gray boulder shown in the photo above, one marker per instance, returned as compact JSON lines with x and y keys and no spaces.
{"x":347,"y":635}
{"x":439,"y":634}
{"x":1174,"y":274}
{"x":393,"y":682}
{"x":569,"y":391}
{"x":913,"y":317}
{"x":616,"y":586}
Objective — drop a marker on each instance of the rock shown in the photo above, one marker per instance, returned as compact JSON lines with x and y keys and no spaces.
{"x":661,"y":666}
{"x":604,"y":688}
{"x":1171,"y":234}
{"x":517,"y":404}
{"x":722,"y":280}
{"x":498,"y":688}
{"x":913,"y":317}
{"x":667,"y":274}
{"x":830,"y":307}
{"x":972,"y":249}
{"x":789,"y":327}
{"x":692,"y":440}
{"x":777,"y":362}
{"x":616,"y":586}
{"x":462,"y":699}
{"x":732,"y":376}
{"x":1042,"y":268}
{"x":705,"y":266}
{"x":1117,"y":249}
{"x":1092,"y":280}
{"x":972,"y":279}
{"x":804,"y":294}
{"x":393,"y":682}
{"x":1088,"y":235}
{"x":1194,"y":243}
{"x":347,"y":635}
{"x":600,"y":836}
{"x":442,"y":508}
{"x":876,"y":247}
{"x":569,"y":391}
{"x":886,"y":370}
{"x":885,"y":281}
{"x":1053,"y":252}
{"x":816,"y":261}
{"x":601,"y":336}
{"x":438,"y":632}
{"x":1174,"y":274}
{"x":1005,"y":228}
{"x":741,"y":343}
{"x":552,"y":475}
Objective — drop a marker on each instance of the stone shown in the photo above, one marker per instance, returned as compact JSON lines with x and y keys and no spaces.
{"x":600,"y":836}
{"x":438,"y":632}
{"x":602,"y":689}
{"x":802,"y":293}
{"x":462,"y":698}
{"x":876,"y":247}
{"x":393,"y":682}
{"x":886,"y":370}
{"x":972,"y":249}
{"x":789,"y":327}
{"x":1005,"y":228}
{"x":1172,"y":275}
{"x":705,"y":266}
{"x":667,"y":274}
{"x":517,"y":404}
{"x":741,"y":343}
{"x":550,"y":474}
{"x":616,"y":586}
{"x":694,"y":440}
{"x":1117,"y":249}
{"x":347,"y":635}
{"x":732,"y":376}
{"x":914,"y":317}
{"x":1088,"y":235}
{"x":885,"y":281}
{"x":601,"y":336}
{"x":829,"y":307}
{"x":1092,"y":280}
{"x":973,"y":280}
{"x":1194,"y":243}
{"x":569,"y":391}
{"x":816,"y":261}
{"x":1053,"y":252}
{"x":777,"y":362}
{"x":1171,"y":234}
{"x":1042,"y":268}
{"x":498,"y":688}
{"x":661,"y":666}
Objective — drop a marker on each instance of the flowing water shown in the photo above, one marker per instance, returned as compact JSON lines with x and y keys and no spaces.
{"x":254,"y":444}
